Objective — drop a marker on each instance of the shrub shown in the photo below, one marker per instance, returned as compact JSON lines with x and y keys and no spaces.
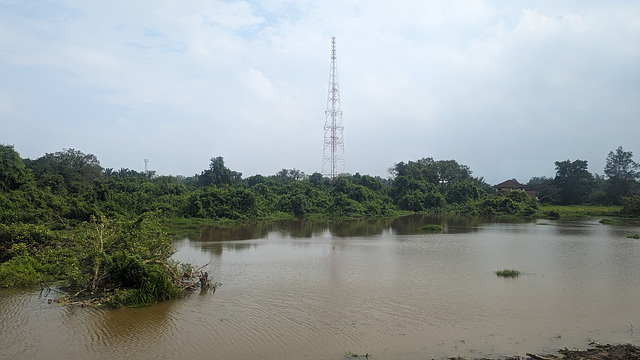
{"x":21,"y":271}
{"x":432,"y":227}
{"x":553,"y":214}
{"x":508,"y":273}
{"x":610,"y":221}
{"x":130,"y":256}
{"x":499,"y":205}
{"x":31,"y":237}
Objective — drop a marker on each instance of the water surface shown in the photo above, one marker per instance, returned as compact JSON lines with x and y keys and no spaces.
{"x":312,"y":290}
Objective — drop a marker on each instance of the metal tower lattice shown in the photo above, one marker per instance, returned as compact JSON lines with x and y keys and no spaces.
{"x":333,"y":151}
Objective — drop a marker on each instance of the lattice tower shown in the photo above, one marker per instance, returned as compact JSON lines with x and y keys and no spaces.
{"x":333,"y":151}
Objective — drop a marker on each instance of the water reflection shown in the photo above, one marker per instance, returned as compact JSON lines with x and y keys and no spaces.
{"x":341,"y":228}
{"x":294,"y":228}
{"x":235,"y":232}
{"x":408,"y":225}
{"x":350,"y":228}
{"x":215,"y":240}
{"x":216,"y":248}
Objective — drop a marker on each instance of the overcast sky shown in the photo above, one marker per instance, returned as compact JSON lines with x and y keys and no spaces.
{"x":505,"y":87}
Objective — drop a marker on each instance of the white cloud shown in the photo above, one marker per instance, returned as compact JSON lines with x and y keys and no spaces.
{"x":488,"y":84}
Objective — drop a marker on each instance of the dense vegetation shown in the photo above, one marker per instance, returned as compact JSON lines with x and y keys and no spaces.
{"x":63,"y":217}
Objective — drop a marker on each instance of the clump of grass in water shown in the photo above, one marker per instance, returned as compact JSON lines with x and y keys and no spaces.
{"x":611,"y":221}
{"x":432,"y":227}
{"x":634,"y":236}
{"x":508,"y":273}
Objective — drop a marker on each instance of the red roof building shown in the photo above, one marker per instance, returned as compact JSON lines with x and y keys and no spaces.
{"x":510,"y":185}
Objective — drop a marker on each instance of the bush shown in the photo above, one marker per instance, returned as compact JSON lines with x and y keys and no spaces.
{"x":432,"y":227}
{"x":130,"y":256}
{"x":21,"y":271}
{"x":31,"y":237}
{"x":499,"y":205}
{"x":419,"y":201}
{"x":508,"y":273}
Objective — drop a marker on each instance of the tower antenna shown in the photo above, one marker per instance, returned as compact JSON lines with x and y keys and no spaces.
{"x":333,"y":149}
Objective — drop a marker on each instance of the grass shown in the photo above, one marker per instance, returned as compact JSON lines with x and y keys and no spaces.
{"x":634,"y":236}
{"x":432,"y":227}
{"x":508,"y":273}
{"x":577,"y":211}
{"x":609,"y":221}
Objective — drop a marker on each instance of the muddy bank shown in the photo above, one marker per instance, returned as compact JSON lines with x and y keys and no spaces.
{"x":597,"y":352}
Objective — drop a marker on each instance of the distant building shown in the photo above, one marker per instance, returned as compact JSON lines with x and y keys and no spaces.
{"x":510,"y":185}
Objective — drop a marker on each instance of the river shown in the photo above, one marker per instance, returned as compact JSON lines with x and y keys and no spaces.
{"x":316,"y":290}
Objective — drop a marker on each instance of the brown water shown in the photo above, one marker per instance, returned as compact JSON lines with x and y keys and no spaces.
{"x":308,"y":290}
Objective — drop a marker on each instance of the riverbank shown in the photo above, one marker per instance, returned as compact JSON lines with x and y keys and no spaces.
{"x":598,"y":352}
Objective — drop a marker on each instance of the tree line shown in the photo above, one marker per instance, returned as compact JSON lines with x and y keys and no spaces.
{"x":69,"y":187}
{"x":63,"y":217}
{"x":575,"y":185}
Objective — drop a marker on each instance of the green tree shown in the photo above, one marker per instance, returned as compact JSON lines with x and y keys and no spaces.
{"x":369,"y":182}
{"x":219,"y":174}
{"x":622,"y":173}
{"x":443,"y":173}
{"x":631,"y":205}
{"x":423,"y":169}
{"x":288,"y":176}
{"x":317,"y":179}
{"x":451,"y":173}
{"x":463,"y":192}
{"x":417,"y":200}
{"x":545,"y":188}
{"x":13,"y":173}
{"x":78,"y":170}
{"x":574,"y":181}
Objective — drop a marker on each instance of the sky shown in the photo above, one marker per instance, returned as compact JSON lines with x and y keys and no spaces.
{"x":505,"y":87}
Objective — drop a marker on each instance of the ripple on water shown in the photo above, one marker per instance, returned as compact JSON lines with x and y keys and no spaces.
{"x":408,"y":296}
{"x":28,"y":323}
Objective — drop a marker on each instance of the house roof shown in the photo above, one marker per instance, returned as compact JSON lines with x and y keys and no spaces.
{"x":510,"y":184}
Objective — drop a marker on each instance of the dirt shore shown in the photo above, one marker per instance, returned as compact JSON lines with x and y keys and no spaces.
{"x":597,"y":352}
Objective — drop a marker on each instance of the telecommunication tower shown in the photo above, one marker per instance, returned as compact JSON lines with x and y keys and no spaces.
{"x":146,"y":163}
{"x":333,"y":150}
